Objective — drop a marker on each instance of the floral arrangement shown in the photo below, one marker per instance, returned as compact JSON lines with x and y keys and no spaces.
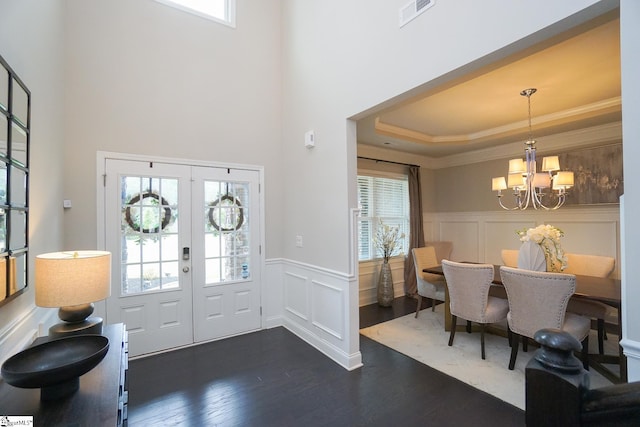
{"x":388,"y":239}
{"x":548,"y":237}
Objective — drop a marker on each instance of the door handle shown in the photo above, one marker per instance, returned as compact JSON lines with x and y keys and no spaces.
{"x":185,"y":269}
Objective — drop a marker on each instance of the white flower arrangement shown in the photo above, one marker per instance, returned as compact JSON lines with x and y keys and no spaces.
{"x":388,"y":239}
{"x":548,"y":237}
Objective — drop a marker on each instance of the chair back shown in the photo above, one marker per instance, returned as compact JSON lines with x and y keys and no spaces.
{"x":589,"y":265}
{"x":423,"y":258}
{"x":468,"y":286}
{"x":537,"y":300}
{"x":443,"y":249}
{"x":510,"y":257}
{"x":531,"y":257}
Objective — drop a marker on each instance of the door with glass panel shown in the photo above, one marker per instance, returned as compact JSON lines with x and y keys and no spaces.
{"x":147,"y":220}
{"x":226,"y":276}
{"x":186,"y":254}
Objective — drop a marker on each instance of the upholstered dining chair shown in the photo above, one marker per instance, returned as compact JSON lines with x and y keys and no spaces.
{"x":469,"y":297}
{"x":430,"y":286}
{"x":591,"y":265}
{"x":510,"y":257}
{"x":443,"y":249}
{"x":538,"y":300}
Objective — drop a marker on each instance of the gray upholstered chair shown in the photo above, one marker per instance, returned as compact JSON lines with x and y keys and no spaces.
{"x":538,"y":300}
{"x":469,"y":297}
{"x":591,"y":265}
{"x":430,"y":286}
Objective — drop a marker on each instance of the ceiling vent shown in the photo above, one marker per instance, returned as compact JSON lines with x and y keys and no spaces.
{"x":413,"y":10}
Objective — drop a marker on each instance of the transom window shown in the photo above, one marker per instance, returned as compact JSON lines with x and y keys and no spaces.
{"x":223,"y":11}
{"x":381,"y":197}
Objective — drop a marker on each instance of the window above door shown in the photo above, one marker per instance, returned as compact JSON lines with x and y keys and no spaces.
{"x":222,"y":11}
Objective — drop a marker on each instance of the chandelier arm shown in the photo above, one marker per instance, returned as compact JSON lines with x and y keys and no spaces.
{"x":539,"y":202}
{"x":504,"y":207}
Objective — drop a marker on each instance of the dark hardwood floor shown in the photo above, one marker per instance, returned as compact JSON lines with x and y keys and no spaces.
{"x":273,"y":378}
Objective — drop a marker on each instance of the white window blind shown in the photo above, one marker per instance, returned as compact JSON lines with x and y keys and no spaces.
{"x":386,"y":199}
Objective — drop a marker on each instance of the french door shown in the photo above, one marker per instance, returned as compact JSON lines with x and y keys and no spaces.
{"x":186,"y":252}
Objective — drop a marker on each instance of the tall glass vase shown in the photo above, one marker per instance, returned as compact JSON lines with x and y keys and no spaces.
{"x":385,"y":285}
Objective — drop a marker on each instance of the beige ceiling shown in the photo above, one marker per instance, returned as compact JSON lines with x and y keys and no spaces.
{"x":577,"y":81}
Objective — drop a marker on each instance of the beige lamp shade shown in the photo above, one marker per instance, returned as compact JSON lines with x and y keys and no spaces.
{"x":64,"y":279}
{"x":563,"y":180}
{"x":515,"y":180}
{"x":550,"y":164}
{"x":498,"y":184}
{"x":541,"y":180}
{"x":517,"y":166}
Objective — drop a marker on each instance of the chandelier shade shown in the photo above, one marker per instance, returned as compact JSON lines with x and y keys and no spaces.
{"x":530,"y":185}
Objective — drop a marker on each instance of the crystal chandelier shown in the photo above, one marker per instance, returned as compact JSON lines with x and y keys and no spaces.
{"x":531,"y":187}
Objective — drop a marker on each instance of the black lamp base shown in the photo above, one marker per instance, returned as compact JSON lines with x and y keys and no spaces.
{"x":91,"y":325}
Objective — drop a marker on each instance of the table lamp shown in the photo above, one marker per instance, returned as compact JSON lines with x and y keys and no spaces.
{"x":73,"y":281}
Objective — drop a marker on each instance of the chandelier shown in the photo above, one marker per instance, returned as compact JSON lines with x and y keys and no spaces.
{"x":530,"y":188}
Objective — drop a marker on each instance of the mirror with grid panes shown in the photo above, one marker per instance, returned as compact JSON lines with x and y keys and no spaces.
{"x":15,"y":114}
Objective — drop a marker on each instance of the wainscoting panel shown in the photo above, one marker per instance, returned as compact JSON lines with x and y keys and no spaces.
{"x":599,"y":236}
{"x":480,"y":236}
{"x":317,"y":309}
{"x":466,"y":237}
{"x":501,"y":235}
{"x":296,"y":300}
{"x":325,"y":295}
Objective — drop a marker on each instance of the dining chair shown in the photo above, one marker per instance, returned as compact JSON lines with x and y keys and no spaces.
{"x":538,"y":300}
{"x":598,"y":266}
{"x":531,"y":257}
{"x":430,"y":286}
{"x":510,"y":257}
{"x":469,"y":298}
{"x":443,"y":249}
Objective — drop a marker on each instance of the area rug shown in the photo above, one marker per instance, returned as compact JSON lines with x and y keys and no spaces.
{"x":425,"y":340}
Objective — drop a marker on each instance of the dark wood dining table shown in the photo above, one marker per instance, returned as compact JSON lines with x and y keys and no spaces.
{"x":604,"y":290}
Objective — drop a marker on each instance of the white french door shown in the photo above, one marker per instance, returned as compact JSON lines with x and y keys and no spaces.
{"x":186,"y":252}
{"x":226,"y":291}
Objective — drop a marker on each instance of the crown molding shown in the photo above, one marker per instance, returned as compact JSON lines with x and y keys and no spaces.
{"x":596,"y":108}
{"x":597,"y":135}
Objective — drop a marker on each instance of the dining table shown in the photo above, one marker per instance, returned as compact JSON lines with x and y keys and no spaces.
{"x":602,"y":289}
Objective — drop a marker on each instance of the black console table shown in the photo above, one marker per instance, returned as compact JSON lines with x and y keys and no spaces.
{"x":100,"y":401}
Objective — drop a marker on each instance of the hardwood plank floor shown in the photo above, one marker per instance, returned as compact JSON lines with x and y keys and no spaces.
{"x":273,"y":378}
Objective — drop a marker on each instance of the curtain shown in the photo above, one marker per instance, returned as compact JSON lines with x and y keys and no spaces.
{"x":416,"y":233}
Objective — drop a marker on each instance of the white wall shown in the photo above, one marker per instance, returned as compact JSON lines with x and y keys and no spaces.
{"x":145,"y":78}
{"x":31,"y":42}
{"x":629,"y":41}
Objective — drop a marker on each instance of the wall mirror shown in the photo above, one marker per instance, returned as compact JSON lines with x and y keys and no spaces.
{"x":15,"y":118}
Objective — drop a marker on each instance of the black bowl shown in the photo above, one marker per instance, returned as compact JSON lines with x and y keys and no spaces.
{"x":55,"y":365}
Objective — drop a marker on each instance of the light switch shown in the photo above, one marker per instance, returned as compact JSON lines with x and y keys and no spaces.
{"x":299,"y":241}
{"x":66,"y":204}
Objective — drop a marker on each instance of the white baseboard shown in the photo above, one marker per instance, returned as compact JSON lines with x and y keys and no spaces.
{"x":347,"y":361}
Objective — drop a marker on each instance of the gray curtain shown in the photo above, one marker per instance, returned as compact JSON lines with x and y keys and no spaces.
{"x":416,"y":233}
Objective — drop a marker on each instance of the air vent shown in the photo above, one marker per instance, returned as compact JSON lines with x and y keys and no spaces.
{"x":413,"y":10}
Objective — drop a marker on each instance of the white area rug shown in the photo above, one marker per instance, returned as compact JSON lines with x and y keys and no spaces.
{"x":425,"y":340}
